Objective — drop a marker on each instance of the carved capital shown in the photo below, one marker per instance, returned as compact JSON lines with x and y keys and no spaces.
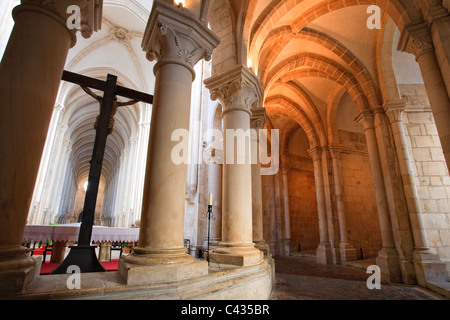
{"x":236,"y":89}
{"x":173,"y":35}
{"x":365,"y":119}
{"x":416,"y":39}
{"x":394,"y":110}
{"x":90,"y":13}
{"x":258,"y":119}
{"x":335,"y":151}
{"x":315,"y":153}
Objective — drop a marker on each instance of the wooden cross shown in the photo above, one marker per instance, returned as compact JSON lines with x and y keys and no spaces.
{"x":83,"y":254}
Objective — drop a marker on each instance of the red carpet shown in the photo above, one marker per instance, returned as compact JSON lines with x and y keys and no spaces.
{"x":112,"y":265}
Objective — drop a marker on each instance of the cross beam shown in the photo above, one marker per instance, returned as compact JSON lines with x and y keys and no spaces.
{"x":83,"y":254}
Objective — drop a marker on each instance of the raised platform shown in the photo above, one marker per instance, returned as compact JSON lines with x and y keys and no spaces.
{"x":224,"y":282}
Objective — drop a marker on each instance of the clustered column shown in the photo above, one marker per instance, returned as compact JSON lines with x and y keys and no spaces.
{"x":427,"y":265}
{"x":257,"y":122}
{"x":238,"y":90}
{"x":417,"y":40}
{"x":323,"y":252}
{"x":30,"y":74}
{"x":287,"y":213}
{"x":177,"y":40}
{"x":387,"y":258}
{"x":347,"y":251}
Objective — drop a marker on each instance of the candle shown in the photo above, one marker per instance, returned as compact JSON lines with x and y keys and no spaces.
{"x":210,"y":199}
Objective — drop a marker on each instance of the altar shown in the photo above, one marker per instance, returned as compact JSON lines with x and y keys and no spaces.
{"x":61,"y":235}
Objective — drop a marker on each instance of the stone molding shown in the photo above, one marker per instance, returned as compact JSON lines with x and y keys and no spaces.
{"x":258,"y":119}
{"x":416,"y":39}
{"x":91,"y":13}
{"x":365,"y":119}
{"x":236,"y":89}
{"x":173,"y":35}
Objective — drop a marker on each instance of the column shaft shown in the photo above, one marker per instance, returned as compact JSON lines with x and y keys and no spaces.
{"x":30,"y":74}
{"x":347,"y":251}
{"x":238,"y":90}
{"x":177,"y":41}
{"x":323,"y":252}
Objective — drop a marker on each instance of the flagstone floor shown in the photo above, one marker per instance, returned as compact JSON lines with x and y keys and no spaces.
{"x":300,"y":278}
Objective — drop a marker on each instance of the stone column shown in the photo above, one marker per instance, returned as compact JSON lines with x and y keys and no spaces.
{"x":177,"y":40}
{"x":417,"y":40}
{"x":213,"y":158}
{"x":287,"y":213}
{"x":346,"y":249}
{"x":387,"y":259}
{"x":238,"y":90}
{"x":30,"y":75}
{"x":323,"y":252}
{"x":257,"y":122}
{"x":438,"y":19}
{"x":428,"y":266}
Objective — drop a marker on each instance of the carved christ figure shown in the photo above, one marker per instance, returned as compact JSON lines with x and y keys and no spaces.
{"x":114,"y":109}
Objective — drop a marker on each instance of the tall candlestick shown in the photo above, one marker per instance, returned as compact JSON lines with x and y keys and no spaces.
{"x":210,"y":199}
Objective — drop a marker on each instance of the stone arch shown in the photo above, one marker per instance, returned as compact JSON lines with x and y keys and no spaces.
{"x":279,"y":37}
{"x":311,"y":65}
{"x":332,"y":108}
{"x":222,"y":22}
{"x":387,"y":79}
{"x":286,"y":106}
{"x":402,"y":13}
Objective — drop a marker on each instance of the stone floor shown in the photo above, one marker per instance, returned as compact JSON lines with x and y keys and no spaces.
{"x":300,"y":278}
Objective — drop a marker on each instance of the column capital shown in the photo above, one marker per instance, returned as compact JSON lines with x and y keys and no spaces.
{"x":315,"y":152}
{"x":236,"y":89}
{"x":173,"y":35}
{"x":416,"y":39}
{"x":258,"y":119}
{"x":335,"y":151}
{"x":365,"y":119}
{"x":285,"y":168}
{"x":394,"y":110}
{"x":90,"y":20}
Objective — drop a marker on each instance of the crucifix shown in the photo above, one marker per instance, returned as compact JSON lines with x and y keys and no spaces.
{"x":83,"y":254}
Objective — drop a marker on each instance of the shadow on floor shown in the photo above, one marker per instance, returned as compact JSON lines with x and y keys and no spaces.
{"x":299,"y":278}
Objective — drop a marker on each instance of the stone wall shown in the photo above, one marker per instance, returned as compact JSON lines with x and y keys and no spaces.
{"x":429,"y":168}
{"x":358,"y":196}
{"x":303,"y":204}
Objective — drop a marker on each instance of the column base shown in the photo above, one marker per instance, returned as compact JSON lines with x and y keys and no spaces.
{"x":135,"y":274}
{"x":263,"y":246}
{"x":324,"y":254}
{"x":145,"y":266}
{"x":388,"y":261}
{"x":17,"y":270}
{"x":429,"y":267}
{"x":237,"y":255}
{"x":347,"y":252}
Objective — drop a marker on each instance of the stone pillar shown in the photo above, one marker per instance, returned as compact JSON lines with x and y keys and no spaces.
{"x":346,"y":249}
{"x":177,"y":40}
{"x":30,"y":75}
{"x":213,"y":158}
{"x":417,"y":40}
{"x":438,"y":19}
{"x":323,"y":252}
{"x":427,"y":266}
{"x":257,"y":122}
{"x":287,"y":213}
{"x":387,"y":259}
{"x":238,"y":90}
